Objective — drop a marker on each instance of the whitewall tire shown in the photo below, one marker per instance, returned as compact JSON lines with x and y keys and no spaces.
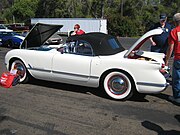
{"x":117,"y":85}
{"x":22,"y":69}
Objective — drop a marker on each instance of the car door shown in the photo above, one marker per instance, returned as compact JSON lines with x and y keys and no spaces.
{"x":39,"y":63}
{"x":74,"y":66}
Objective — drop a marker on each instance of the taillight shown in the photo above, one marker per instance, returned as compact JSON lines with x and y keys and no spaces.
{"x":162,"y":70}
{"x":165,"y":71}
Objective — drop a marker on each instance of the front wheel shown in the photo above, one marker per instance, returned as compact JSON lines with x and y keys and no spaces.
{"x":118,"y":85}
{"x":21,"y":70}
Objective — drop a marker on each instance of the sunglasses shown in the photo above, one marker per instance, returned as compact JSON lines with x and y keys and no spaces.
{"x":162,"y":20}
{"x":75,"y":28}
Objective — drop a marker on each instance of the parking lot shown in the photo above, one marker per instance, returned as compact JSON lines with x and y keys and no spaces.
{"x":47,"y":108}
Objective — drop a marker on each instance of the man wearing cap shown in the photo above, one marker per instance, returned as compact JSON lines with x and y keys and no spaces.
{"x":159,"y":43}
{"x":174,"y":45}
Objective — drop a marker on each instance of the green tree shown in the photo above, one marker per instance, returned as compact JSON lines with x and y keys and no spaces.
{"x":46,"y":8}
{"x":28,"y":10}
{"x":4,"y":5}
{"x":21,"y":10}
{"x":122,"y":26}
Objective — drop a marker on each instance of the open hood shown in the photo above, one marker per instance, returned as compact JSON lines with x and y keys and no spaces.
{"x":141,"y":40}
{"x":39,"y":34}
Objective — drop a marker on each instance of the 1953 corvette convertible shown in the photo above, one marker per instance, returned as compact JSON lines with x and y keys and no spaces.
{"x":93,"y":60}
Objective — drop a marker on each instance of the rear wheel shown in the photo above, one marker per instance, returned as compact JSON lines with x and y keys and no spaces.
{"x":118,"y":85}
{"x":22,"y":71}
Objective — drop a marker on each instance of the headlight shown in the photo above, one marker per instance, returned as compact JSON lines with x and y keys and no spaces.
{"x":0,"y":40}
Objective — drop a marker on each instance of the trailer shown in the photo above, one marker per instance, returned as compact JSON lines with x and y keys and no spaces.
{"x":87,"y":24}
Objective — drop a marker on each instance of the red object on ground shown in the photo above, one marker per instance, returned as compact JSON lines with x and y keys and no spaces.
{"x":6,"y":80}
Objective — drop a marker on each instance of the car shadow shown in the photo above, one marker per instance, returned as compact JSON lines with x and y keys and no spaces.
{"x":99,"y":92}
{"x":138,"y":99}
{"x":164,"y":97}
{"x":177,"y":117}
{"x":160,"y":131}
{"x":69,"y":87}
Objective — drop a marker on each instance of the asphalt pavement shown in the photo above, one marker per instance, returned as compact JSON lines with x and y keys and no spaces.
{"x":48,"y":108}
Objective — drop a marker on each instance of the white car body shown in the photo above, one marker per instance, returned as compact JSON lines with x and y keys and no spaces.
{"x":88,"y":71}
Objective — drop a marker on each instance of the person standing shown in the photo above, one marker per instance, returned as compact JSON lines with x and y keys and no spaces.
{"x":159,"y":43}
{"x":174,"y":45}
{"x":77,"y":30}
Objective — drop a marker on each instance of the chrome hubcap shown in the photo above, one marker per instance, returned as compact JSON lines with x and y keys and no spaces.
{"x":117,"y":85}
{"x":20,"y":69}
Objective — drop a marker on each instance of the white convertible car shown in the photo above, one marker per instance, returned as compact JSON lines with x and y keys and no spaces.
{"x":93,"y":60}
